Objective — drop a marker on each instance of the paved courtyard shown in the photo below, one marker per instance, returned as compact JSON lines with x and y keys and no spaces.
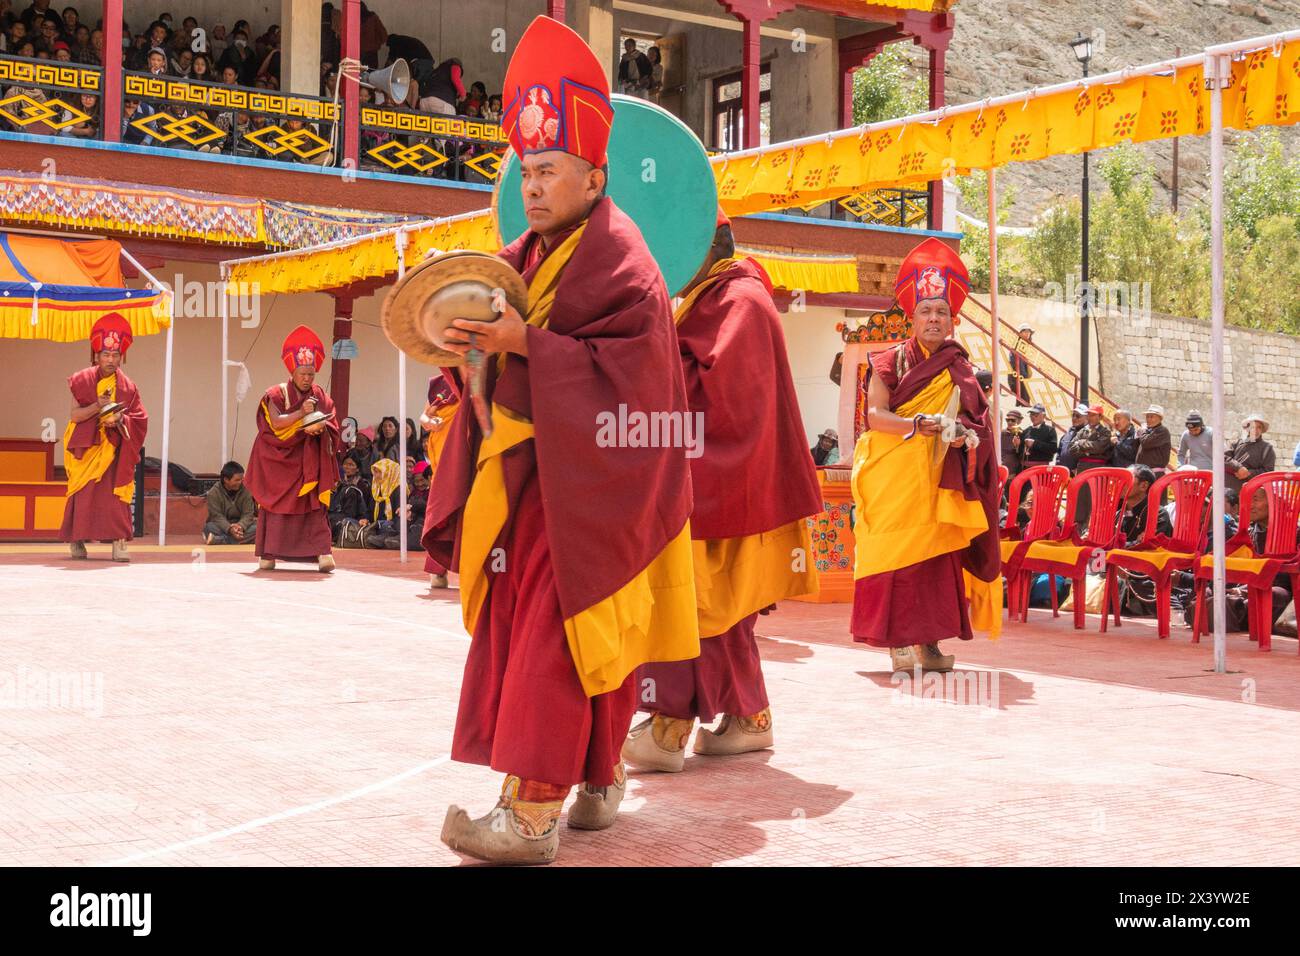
{"x":205,"y":714}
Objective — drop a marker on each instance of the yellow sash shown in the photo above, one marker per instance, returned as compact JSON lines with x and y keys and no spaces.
{"x":98,"y":458}
{"x":651,"y":618}
{"x":734,"y":577}
{"x":903,"y":517}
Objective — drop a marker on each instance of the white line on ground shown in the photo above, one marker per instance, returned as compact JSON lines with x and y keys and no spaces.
{"x":282,"y":815}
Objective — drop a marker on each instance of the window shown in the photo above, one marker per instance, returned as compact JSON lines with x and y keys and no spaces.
{"x":728,"y":123}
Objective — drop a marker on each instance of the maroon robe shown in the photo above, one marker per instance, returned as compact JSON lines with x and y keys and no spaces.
{"x":926,"y":602}
{"x":292,"y":526}
{"x":568,"y":539}
{"x":94,"y":513}
{"x":755,"y":473}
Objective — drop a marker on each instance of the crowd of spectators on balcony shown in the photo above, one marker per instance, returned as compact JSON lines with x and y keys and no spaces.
{"x":238,"y":56}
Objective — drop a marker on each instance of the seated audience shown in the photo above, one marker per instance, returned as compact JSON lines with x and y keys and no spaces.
{"x":231,"y":515}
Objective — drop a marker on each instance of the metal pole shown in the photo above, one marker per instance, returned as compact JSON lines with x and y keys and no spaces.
{"x":167,"y":431}
{"x":225,"y":358}
{"x":1217,"y":72}
{"x":1173,"y":188}
{"x":1085,"y":292}
{"x":400,"y":241}
{"x":993,"y":310}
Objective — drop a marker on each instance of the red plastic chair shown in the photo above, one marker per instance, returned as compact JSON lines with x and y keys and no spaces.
{"x":1067,"y":552}
{"x":1253,"y":568}
{"x":1158,"y":556}
{"x":1003,"y":473}
{"x":1047,"y":482}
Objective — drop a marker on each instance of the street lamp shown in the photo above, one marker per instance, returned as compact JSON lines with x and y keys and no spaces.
{"x":1082,"y":46}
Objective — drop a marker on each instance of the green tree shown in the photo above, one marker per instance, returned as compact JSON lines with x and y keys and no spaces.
{"x":974,"y":191}
{"x":889,"y":87}
{"x":1260,"y":182}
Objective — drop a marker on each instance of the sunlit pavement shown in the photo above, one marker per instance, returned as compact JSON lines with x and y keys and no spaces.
{"x":204,"y":713}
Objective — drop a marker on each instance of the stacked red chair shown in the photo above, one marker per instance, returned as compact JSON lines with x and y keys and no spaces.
{"x":1157,"y":555}
{"x":1258,"y":567}
{"x":1068,"y":552}
{"x":1047,"y":486}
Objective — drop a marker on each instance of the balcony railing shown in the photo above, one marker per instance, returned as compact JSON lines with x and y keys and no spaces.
{"x":51,"y":98}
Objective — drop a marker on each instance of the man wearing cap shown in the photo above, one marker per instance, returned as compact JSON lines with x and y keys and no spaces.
{"x":1093,"y":448}
{"x":751,"y":540}
{"x":1155,"y":445}
{"x":827,"y":449}
{"x":293,"y":468}
{"x":1124,"y":439}
{"x":1066,"y":457}
{"x":1019,"y":366}
{"x":1012,"y":446}
{"x":565,"y":602}
{"x":1251,"y":454}
{"x":101,"y":448}
{"x":1196,"y":447}
{"x":927,"y":507}
{"x":1039,"y":439}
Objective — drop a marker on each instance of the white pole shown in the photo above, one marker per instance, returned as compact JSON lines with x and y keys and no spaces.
{"x":169,"y":299}
{"x":225,"y":359}
{"x":400,"y":241}
{"x":167,"y":429}
{"x":993,"y":315}
{"x":1217,"y":72}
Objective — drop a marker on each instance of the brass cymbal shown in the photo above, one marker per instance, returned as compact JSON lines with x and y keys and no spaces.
{"x":452,"y":285}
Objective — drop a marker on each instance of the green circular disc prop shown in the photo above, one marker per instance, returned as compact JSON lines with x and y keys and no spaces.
{"x":659,"y":174}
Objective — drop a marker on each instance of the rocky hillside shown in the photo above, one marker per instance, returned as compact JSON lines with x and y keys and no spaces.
{"x":1001,"y":46}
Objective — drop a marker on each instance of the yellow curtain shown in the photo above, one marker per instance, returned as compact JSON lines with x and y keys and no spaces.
{"x":1265,"y":92}
{"x":365,"y":258}
{"x":809,"y":273}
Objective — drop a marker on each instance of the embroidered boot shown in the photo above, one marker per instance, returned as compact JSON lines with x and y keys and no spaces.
{"x":931,"y":659}
{"x":522,"y":829}
{"x":596,"y":807}
{"x":437,"y":581}
{"x":325,"y":563}
{"x":266,"y":564}
{"x":119,"y":551}
{"x":736,"y":735}
{"x":903,"y":658}
{"x":77,"y":550}
{"x":658,"y":743}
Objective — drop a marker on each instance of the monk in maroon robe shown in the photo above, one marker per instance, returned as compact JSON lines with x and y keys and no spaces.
{"x":293,"y":467}
{"x":754,"y":486}
{"x":102,"y":444}
{"x":572,"y":546}
{"x":925,"y":481}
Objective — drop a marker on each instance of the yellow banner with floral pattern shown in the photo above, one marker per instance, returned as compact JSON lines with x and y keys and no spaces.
{"x":1265,"y":91}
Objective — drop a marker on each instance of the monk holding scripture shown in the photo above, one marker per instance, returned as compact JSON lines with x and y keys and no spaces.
{"x":293,"y":467}
{"x":925,"y":481}
{"x":754,"y":485}
{"x":574,"y":557}
{"x":101,"y":446}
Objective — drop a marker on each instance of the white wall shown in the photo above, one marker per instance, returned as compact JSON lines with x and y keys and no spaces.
{"x":811,"y":341}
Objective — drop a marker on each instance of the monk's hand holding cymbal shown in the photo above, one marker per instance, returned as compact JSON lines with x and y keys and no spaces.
{"x":308,"y":406}
{"x":507,"y":334}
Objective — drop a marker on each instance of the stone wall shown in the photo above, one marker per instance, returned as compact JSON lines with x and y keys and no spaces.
{"x":1166,"y":360}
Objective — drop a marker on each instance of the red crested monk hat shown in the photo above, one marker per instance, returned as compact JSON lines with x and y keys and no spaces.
{"x":932,"y":271}
{"x":111,"y":332}
{"x":302,"y":349}
{"x":556,"y":95}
